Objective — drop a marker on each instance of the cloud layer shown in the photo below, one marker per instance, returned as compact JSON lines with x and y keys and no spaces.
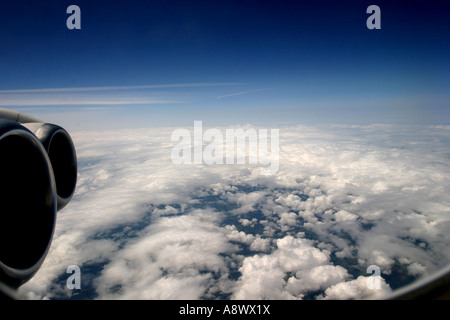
{"x":345,"y":198}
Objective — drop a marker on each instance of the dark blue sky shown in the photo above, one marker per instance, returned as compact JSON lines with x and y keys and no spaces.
{"x":230,"y":60}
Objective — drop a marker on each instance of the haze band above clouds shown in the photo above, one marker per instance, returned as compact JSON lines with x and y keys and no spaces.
{"x":115,"y":88}
{"x":84,"y":96}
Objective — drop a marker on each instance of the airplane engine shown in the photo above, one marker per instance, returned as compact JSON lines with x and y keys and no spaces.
{"x":38,"y":170}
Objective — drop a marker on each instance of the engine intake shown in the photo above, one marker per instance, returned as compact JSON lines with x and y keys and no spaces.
{"x":39,"y":171}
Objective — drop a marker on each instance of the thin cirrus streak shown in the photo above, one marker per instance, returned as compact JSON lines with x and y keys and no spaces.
{"x":238,"y":93}
{"x":86,"y":95}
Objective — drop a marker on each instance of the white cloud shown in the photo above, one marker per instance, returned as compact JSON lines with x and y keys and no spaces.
{"x":247,"y":201}
{"x":320,"y":277}
{"x":345,"y":216}
{"x":263,"y":276}
{"x":356,"y":289}
{"x":239,"y":236}
{"x":166,"y":259}
{"x":260,"y":244}
{"x":343,"y":199}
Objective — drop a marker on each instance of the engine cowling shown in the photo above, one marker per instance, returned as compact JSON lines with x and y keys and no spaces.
{"x":61,"y":152}
{"x":39,"y":171}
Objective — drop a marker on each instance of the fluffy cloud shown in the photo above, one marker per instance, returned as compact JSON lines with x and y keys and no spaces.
{"x":263,"y":276}
{"x":173,"y":258}
{"x":354,"y":289}
{"x":345,"y":197}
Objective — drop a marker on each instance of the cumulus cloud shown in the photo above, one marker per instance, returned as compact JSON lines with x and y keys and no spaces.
{"x":345,"y":197}
{"x":355,"y":289}
{"x":263,"y":277}
{"x":168,"y":260}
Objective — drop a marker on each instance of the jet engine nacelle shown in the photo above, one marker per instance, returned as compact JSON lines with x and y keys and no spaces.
{"x":38,"y":168}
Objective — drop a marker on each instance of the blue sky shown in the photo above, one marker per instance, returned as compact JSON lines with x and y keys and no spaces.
{"x":149,"y":63}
